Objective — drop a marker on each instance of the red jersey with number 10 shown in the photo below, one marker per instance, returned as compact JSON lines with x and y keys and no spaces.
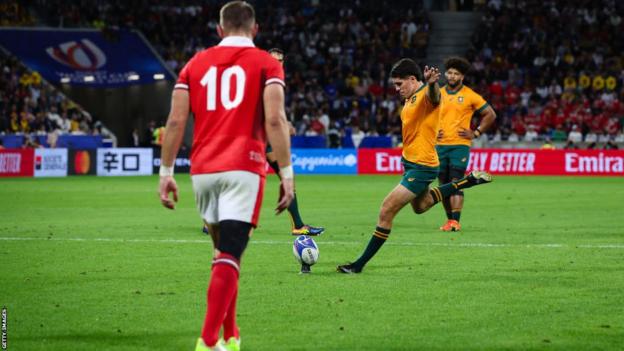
{"x":226,"y":84}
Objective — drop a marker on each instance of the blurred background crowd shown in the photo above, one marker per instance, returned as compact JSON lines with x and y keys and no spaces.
{"x":552,"y":70}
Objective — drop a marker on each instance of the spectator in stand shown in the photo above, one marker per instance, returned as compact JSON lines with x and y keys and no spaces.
{"x":316,"y":127}
{"x":513,"y":138}
{"x":558,"y":134}
{"x":591,"y":139}
{"x":357,"y":135}
{"x":603,"y":137}
{"x":333,"y":135}
{"x":54,"y":118}
{"x":14,"y":125}
{"x":611,"y":145}
{"x":135,"y":140}
{"x":65,"y":125}
{"x":548,"y":145}
{"x":574,"y":138}
{"x":148,"y":135}
{"x":531,"y":134}
{"x":323,"y":118}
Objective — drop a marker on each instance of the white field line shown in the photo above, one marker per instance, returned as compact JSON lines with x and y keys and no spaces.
{"x":279,"y":242}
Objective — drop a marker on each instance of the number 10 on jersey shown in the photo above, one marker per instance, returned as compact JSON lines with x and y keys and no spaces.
{"x":210,"y":82}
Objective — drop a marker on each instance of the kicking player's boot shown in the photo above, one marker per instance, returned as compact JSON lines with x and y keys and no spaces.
{"x":232,"y":344}
{"x":201,"y":346}
{"x":308,"y":230}
{"x":451,"y":226}
{"x":479,"y":177}
{"x":348,"y":268}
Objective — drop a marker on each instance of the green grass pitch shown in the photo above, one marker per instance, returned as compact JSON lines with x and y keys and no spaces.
{"x":97,"y":264}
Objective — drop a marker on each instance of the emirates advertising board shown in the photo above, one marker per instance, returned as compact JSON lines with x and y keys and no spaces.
{"x":511,"y":162}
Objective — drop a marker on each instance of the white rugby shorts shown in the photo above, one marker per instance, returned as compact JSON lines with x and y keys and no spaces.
{"x":231,"y":195}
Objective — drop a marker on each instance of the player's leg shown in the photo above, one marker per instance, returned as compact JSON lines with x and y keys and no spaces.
{"x":443,"y":178}
{"x":298,"y":225}
{"x":392,"y":204}
{"x":231,"y":333}
{"x":223,"y":288}
{"x":458,"y":159}
{"x":416,"y":180}
{"x":448,"y":208}
{"x":435,"y":195}
{"x":239,"y":205}
{"x":232,"y":200}
{"x":206,"y":199}
{"x":456,"y":200}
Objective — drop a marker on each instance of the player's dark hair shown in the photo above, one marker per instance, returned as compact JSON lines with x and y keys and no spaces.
{"x":277,"y":51}
{"x":458,"y":63}
{"x":237,"y":15}
{"x":405,"y":68}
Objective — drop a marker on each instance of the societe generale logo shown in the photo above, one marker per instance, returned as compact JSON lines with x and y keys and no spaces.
{"x":83,"y":55}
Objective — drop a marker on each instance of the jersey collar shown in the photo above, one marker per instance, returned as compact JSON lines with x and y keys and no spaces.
{"x":236,"y":41}
{"x":419,"y":89}
{"x":461,"y":86}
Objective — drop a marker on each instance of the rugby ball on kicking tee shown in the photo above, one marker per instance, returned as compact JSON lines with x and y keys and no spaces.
{"x":305,"y":250}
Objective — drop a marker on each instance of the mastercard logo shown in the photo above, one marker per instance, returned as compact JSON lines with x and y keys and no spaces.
{"x":82,"y":162}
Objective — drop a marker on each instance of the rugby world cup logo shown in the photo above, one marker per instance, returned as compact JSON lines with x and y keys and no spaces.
{"x":83,"y":55}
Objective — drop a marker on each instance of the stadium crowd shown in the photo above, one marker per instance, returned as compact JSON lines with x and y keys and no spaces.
{"x":15,"y":13}
{"x":32,"y":107}
{"x":552,"y":69}
{"x":337,"y":54}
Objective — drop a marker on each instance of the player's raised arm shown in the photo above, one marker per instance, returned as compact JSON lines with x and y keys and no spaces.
{"x":174,"y":132}
{"x":432,"y":75}
{"x":276,"y":127}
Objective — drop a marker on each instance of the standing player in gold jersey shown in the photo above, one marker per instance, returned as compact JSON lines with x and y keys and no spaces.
{"x":458,"y":104}
{"x":420,"y":118}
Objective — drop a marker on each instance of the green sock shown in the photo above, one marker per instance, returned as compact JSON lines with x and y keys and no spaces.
{"x":293,"y":209}
{"x":379,"y":238}
{"x":455,"y":215}
{"x":448,"y":189}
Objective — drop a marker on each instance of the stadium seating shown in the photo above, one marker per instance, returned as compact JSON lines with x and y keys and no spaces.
{"x":338,"y":56}
{"x":30,"y":106}
{"x":575,"y":80}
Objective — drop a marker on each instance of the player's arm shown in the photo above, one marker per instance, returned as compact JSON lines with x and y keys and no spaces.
{"x":487,"y":120}
{"x":276,"y":127}
{"x":432,"y":75}
{"x":174,"y":132}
